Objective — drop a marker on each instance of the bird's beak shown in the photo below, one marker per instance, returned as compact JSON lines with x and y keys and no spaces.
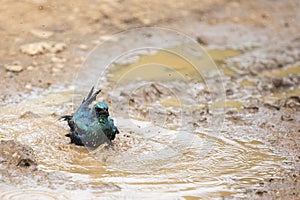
{"x":102,"y":112}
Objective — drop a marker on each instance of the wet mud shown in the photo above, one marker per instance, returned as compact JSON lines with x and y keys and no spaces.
{"x":176,"y":141}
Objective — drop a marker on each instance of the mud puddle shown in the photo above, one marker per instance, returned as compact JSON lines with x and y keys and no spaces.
{"x":153,"y":161}
{"x":161,"y":152}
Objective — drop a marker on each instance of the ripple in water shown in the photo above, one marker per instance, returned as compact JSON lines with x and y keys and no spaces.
{"x":31,"y":194}
{"x":169,"y":164}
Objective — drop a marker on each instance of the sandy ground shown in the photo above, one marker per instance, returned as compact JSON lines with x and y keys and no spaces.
{"x":61,"y":34}
{"x":81,"y":25}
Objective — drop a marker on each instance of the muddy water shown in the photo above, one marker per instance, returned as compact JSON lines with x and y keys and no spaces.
{"x":149,"y":160}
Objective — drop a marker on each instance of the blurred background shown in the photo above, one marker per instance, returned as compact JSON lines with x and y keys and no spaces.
{"x":81,"y":25}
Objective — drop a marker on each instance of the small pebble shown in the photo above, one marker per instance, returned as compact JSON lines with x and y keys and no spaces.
{"x":29,"y":68}
{"x":83,"y":47}
{"x":28,"y":86}
{"x":54,"y":69}
{"x":13,"y":68}
{"x":286,"y":118}
{"x":10,"y":74}
{"x":42,"y":47}
{"x":59,"y":65}
{"x":58,"y":60}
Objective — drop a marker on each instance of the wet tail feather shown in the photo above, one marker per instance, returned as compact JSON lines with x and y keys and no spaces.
{"x":66,"y":117}
{"x":91,"y":97}
{"x":75,"y":139}
{"x":70,"y":122}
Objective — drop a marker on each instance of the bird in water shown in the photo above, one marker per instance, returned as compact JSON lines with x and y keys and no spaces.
{"x":91,"y":126}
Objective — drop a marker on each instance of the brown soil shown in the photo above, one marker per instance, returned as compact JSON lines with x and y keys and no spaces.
{"x":266,"y":31}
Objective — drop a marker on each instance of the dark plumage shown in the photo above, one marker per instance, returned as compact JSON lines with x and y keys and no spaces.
{"x":91,"y":127}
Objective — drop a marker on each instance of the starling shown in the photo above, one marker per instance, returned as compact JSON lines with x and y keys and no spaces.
{"x":91,"y":126}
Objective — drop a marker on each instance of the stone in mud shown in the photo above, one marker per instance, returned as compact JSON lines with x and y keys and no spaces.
{"x":55,"y":59}
{"x":18,"y":166}
{"x":229,"y":92}
{"x":251,"y":108}
{"x":42,"y":48}
{"x":293,"y":102}
{"x":29,"y":114}
{"x":286,"y":118}
{"x":282,"y":82}
{"x":202,"y":41}
{"x":272,"y":106}
{"x":260,"y":192}
{"x":26,"y":162}
{"x":14,"y":68}
{"x":15,"y":155}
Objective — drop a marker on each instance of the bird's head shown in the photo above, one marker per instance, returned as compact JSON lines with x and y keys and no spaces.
{"x":101,"y":109}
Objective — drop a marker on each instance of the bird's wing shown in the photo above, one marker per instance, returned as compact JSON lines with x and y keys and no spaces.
{"x":94,"y":135}
{"x":84,"y":115}
{"x":82,"y":120}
